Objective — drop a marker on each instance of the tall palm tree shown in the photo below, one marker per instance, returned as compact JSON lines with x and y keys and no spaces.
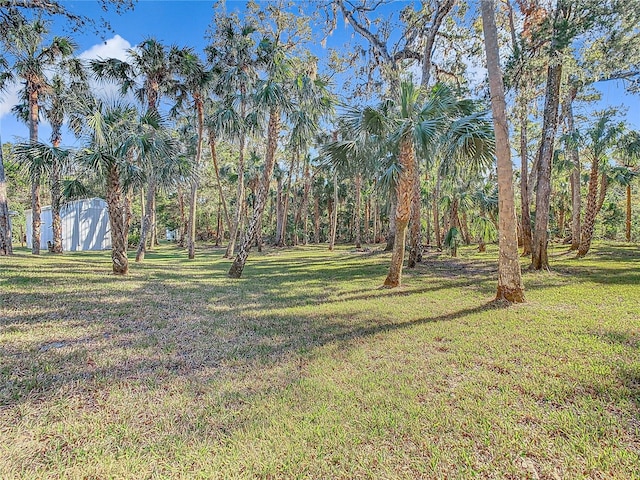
{"x":6,"y":246}
{"x":234,"y":58}
{"x":598,"y":141}
{"x":109,"y":132}
{"x":150,"y":75}
{"x":67,"y":85}
{"x":272,"y":95}
{"x":25,"y":42}
{"x":194,"y":83}
{"x":628,"y":156}
{"x":415,"y":124}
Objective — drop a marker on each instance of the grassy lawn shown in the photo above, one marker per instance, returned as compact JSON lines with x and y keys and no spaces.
{"x":304,"y":368}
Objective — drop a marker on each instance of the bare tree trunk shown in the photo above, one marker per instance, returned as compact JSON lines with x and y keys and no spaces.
{"x":184,"y":226}
{"x":6,"y":245}
{"x":261,"y":196}
{"x":316,"y":221}
{"x":436,"y":213}
{"x":628,"y":221}
{"x":524,"y":187}
{"x":334,"y":216}
{"x":214,"y":158}
{"x":574,"y":157}
{"x":145,"y":228}
{"x":153,"y":231}
{"x":279,"y":212}
{"x":539,"y":258}
{"x":510,"y":285}
{"x":305,"y":202}
{"x":36,"y":207}
{"x":358,"y":220}
{"x":415,"y":253}
{"x":404,"y":194}
{"x":239,"y":202}
{"x":285,"y":209}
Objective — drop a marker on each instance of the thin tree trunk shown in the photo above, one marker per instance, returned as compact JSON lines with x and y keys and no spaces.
{"x":116,"y":215}
{"x":153,"y":237}
{"x":285,"y":210}
{"x":436,"y":212}
{"x":393,"y":206}
{"x":36,"y":207}
{"x":525,"y":211}
{"x":334,"y":216}
{"x":415,"y":253}
{"x":574,"y":157}
{"x":183,"y":217}
{"x":218,"y":223}
{"x":404,"y":194}
{"x":191,"y":240}
{"x":145,"y":228}
{"x":358,"y":221}
{"x":239,"y":202}
{"x":128,"y":213}
{"x":214,"y":158}
{"x":279,"y":212}
{"x":628,"y":222}
{"x":510,"y":285}
{"x":316,"y":220}
{"x":261,"y":196}
{"x":305,"y":202}
{"x":539,"y":258}
{"x":6,"y":245}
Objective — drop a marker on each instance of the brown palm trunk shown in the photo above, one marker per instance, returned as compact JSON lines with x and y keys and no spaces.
{"x":591,"y":210}
{"x":404,"y":194}
{"x":116,"y":220}
{"x":279,"y":212}
{"x":415,"y":253}
{"x":574,"y":156}
{"x":305,"y":203}
{"x":261,"y":196}
{"x":391,"y":234}
{"x":191,"y":240}
{"x":36,"y":207}
{"x":6,"y":245}
{"x":235,"y":226}
{"x":510,"y":285}
{"x":56,"y":197}
{"x":436,"y":213}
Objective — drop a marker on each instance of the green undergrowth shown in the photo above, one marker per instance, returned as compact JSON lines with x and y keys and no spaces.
{"x":306,"y":368}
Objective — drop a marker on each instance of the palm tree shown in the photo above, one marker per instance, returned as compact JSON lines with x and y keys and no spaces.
{"x":194,"y":82}
{"x":150,"y":74}
{"x":628,"y":153}
{"x":233,"y":56}
{"x":274,"y":96}
{"x":67,"y":85}
{"x":598,"y":141}
{"x":110,"y":137}
{"x":32,"y":60}
{"x":510,"y":287}
{"x":6,"y":246}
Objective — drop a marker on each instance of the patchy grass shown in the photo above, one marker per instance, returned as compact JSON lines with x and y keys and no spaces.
{"x":304,"y":368}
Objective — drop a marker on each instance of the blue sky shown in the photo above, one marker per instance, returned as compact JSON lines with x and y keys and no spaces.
{"x":185,"y":23}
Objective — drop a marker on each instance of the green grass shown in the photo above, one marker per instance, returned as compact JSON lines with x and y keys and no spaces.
{"x":305,"y":368}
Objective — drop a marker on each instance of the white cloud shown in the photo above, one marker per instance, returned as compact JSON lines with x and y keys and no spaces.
{"x":115,"y":47}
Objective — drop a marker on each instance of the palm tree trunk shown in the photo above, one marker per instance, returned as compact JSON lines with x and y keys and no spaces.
{"x":285,"y":215}
{"x":334,"y":216}
{"x":191,"y":240}
{"x":214,"y":158}
{"x":415,"y":253}
{"x":628,"y":221}
{"x":358,"y":239}
{"x":116,"y":220}
{"x":510,"y":285}
{"x":393,"y":206}
{"x":279,"y":212}
{"x":304,"y":207}
{"x":36,"y":208}
{"x":56,"y":197}
{"x":235,"y":226}
{"x":6,"y":246}
{"x":404,"y":195}
{"x":183,"y":217}
{"x":153,"y":230}
{"x":145,"y":228}
{"x":591,"y":210}
{"x":261,"y":196}
{"x":574,"y":157}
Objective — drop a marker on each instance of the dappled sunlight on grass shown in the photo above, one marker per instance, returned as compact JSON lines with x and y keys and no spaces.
{"x":305,"y":367}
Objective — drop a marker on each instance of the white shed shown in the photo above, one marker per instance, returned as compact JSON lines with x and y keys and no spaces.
{"x":85,"y":226}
